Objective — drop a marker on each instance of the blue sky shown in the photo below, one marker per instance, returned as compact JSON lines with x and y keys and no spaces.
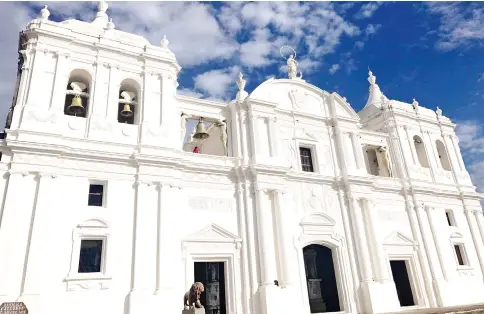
{"x":427,"y":50}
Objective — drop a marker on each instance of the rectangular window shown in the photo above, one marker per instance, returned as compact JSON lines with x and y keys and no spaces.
{"x":459,"y":252}
{"x":90,"y":256}
{"x":306,"y":159}
{"x":96,"y":194}
{"x":450,"y":218}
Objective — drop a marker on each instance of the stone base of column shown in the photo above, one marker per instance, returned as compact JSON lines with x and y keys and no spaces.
{"x":379,"y":297}
{"x":164,"y":301}
{"x":33,"y":302}
{"x":141,"y":301}
{"x":270,"y":300}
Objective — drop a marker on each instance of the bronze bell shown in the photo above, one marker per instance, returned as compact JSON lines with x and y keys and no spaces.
{"x":126,"y":112}
{"x":76,"y":106}
{"x":201,"y":132}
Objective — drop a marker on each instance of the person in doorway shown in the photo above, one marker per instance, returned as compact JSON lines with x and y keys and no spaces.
{"x":196,"y":150}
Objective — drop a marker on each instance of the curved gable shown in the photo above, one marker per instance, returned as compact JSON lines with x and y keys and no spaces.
{"x":297,"y":95}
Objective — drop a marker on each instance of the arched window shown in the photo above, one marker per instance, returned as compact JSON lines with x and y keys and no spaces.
{"x":77,"y":94}
{"x":128,"y":102}
{"x":443,"y":157}
{"x":420,"y":149}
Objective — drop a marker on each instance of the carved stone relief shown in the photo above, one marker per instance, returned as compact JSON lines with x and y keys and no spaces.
{"x":210,"y":204}
{"x":47,"y":117}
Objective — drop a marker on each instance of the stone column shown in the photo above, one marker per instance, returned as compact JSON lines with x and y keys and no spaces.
{"x":381,"y":263}
{"x":61,"y":79}
{"x":142,"y":277}
{"x":473,"y":221}
{"x":161,"y":269}
{"x":480,"y":222}
{"x":113,"y":93}
{"x":361,"y":241}
{"x":268,"y":292}
{"x":284,"y":234}
{"x":453,"y":139}
{"x":411,"y":146}
{"x":273,"y":136}
{"x":357,"y":150}
{"x":266,"y":240}
{"x":429,"y":253}
{"x":34,"y":272}
{"x":14,"y":231}
{"x":435,"y":238}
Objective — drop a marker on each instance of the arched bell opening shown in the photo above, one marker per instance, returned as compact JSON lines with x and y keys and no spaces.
{"x":321,"y":279}
{"x":443,"y":157}
{"x":421,"y":153}
{"x":203,"y":135}
{"x":77,"y":93}
{"x":128,"y":102}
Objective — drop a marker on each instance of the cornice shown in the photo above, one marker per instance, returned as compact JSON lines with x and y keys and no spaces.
{"x":204,"y":102}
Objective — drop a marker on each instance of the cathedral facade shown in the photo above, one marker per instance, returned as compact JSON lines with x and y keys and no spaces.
{"x":118,"y":193}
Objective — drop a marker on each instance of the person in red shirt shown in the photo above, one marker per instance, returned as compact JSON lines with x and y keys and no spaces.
{"x":196,"y":150}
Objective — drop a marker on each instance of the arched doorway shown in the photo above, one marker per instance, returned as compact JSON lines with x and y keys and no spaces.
{"x":321,"y":279}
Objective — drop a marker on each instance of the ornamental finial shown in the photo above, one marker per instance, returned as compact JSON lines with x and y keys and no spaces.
{"x":438,"y":112}
{"x":371,"y":77}
{"x":45,"y":13}
{"x":164,"y":42}
{"x":241,"y":82}
{"x":102,"y":6}
{"x":110,"y":25}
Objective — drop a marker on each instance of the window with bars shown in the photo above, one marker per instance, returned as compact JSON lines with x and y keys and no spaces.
{"x":306,"y":159}
{"x":96,"y":195}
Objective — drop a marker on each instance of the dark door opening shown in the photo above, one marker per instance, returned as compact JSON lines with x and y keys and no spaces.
{"x":321,"y":279}
{"x":402,"y":282}
{"x":212,"y":275}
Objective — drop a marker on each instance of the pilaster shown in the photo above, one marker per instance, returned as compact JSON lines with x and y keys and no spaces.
{"x":36,"y":259}
{"x":14,"y":230}
{"x":285,"y":242}
{"x":473,"y":222}
{"x":61,"y":79}
{"x":361,"y":243}
{"x":380,"y":261}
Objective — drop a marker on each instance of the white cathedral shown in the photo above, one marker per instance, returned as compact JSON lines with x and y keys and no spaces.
{"x":118,"y":193}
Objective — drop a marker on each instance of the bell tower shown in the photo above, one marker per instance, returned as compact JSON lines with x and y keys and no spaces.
{"x":88,"y":80}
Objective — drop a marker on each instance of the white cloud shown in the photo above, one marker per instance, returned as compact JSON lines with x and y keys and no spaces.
{"x":481,"y":77}
{"x":471,"y":142}
{"x":460,"y":25}
{"x":367,"y":10}
{"x":334,"y":68}
{"x":189,"y":92}
{"x":372,"y":29}
{"x":216,"y":83}
{"x":360,"y":44}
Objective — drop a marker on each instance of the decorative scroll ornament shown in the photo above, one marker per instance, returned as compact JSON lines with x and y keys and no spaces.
{"x":292,"y":65}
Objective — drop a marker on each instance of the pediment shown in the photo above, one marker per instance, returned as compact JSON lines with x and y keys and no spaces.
{"x":318,"y":219}
{"x":456,"y":235}
{"x":397,"y":238}
{"x":213,"y":233}
{"x":93,"y":223}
